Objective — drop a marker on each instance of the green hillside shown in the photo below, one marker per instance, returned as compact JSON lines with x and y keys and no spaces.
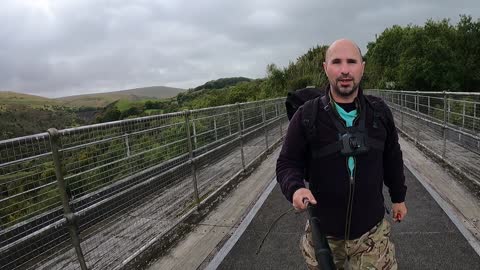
{"x":23,"y":114}
{"x":136,"y":94}
{"x":8,"y":98}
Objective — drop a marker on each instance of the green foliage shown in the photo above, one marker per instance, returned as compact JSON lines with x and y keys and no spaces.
{"x":20,"y":120}
{"x":110,"y":114}
{"x":221,"y":83}
{"x":434,"y":57}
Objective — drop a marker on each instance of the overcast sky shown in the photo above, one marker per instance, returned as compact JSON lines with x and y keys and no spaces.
{"x":67,"y":47}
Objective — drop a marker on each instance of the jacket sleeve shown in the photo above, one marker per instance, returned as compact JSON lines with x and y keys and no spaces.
{"x":393,"y":174}
{"x":291,"y":162}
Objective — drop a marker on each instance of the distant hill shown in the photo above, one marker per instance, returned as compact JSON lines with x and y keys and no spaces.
{"x":23,"y":114}
{"x":10,"y":98}
{"x":103,"y":99}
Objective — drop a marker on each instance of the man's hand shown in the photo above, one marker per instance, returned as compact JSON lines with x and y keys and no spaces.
{"x":399,"y":210}
{"x":299,"y":198}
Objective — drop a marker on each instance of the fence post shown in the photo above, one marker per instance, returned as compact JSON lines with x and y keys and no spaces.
{"x":56,"y":145}
{"x":264,"y":120}
{"x":243,"y":120}
{"x":402,"y":104}
{"x":417,"y":107}
{"x":444,"y":149}
{"x":474,"y":115}
{"x":192,"y":160}
{"x":229,"y":123}
{"x":428,"y":112}
{"x":127,"y":144}
{"x":194,"y":134}
{"x":448,"y":103}
{"x":240,"y":135}
{"x":280,"y":120}
{"x":215,"y":127}
{"x":463,"y":116}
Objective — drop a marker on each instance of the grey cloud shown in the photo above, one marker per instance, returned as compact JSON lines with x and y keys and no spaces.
{"x":74,"y":47}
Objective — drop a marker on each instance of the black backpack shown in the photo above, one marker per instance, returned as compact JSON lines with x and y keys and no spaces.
{"x":297,"y":98}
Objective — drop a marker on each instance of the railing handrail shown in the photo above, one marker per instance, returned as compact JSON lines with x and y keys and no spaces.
{"x":133,"y":120}
{"x":428,"y":92}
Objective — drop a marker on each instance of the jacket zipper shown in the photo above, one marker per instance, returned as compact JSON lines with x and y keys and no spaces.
{"x":351,"y":190}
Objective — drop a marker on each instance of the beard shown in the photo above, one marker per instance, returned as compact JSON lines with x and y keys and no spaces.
{"x":344,"y":91}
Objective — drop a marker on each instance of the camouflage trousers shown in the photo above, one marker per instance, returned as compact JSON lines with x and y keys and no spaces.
{"x":373,"y":250}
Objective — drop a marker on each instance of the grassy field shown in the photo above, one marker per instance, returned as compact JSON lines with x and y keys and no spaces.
{"x":124,"y":104}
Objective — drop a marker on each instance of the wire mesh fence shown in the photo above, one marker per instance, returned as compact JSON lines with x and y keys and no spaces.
{"x":95,"y":196}
{"x":444,"y":123}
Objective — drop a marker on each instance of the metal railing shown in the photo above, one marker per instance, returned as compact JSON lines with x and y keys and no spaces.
{"x":446,"y":124}
{"x":94,"y":197}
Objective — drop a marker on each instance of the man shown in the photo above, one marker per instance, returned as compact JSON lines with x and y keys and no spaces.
{"x":345,"y":184}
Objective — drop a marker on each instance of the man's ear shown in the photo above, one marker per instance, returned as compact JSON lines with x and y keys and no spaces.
{"x":325,"y":67}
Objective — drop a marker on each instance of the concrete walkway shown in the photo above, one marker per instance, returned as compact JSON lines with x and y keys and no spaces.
{"x":427,"y":239}
{"x":199,"y":246}
{"x":441,"y":235}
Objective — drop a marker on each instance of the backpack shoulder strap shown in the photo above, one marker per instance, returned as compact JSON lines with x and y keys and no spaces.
{"x":309,"y":117}
{"x":379,"y":109}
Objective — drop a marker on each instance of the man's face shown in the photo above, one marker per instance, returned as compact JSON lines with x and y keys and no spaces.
{"x":344,"y":68}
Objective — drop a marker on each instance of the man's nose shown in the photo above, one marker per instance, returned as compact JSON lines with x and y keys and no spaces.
{"x":344,"y":69}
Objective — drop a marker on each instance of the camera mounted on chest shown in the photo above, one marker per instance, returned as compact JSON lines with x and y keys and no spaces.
{"x":351,"y":141}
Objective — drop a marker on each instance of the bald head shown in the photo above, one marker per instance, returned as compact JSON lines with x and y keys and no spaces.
{"x":344,"y":67}
{"x":342,"y":43}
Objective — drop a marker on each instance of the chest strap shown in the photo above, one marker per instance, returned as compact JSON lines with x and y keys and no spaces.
{"x":351,"y":141}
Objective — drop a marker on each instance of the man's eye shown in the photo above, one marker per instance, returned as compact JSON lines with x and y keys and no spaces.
{"x":336,"y":61}
{"x":351,"y":61}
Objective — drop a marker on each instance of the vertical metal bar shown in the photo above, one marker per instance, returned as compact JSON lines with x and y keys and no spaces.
{"x":444,"y":149}
{"x":56,"y":145}
{"x":215,"y":127}
{"x":280,"y":121}
{"x":229,"y":123}
{"x":474,"y":115}
{"x":463,"y":123}
{"x":405,"y":103}
{"x":264,"y":121}
{"x":417,"y":108}
{"x":127,"y":144}
{"x":448,"y":115}
{"x":240,"y":135}
{"x":192,"y":160}
{"x":243,"y":120}
{"x":402,"y":104}
{"x":417,"y":103}
{"x":428,"y":112}
{"x":194,"y":133}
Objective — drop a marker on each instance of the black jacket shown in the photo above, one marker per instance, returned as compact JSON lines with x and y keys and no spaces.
{"x":330,"y":181}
